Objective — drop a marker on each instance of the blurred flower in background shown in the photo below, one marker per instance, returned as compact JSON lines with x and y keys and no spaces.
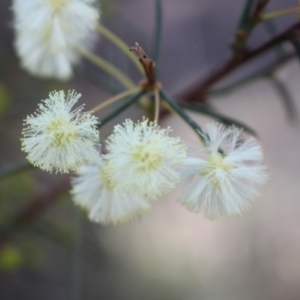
{"x":228,"y":180}
{"x":47,"y":33}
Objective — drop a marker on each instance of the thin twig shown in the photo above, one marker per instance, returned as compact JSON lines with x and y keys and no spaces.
{"x":158,"y":33}
{"x":199,"y":91}
{"x":280,"y":13}
{"x":270,"y":69}
{"x":147,"y":64}
{"x":249,"y":19}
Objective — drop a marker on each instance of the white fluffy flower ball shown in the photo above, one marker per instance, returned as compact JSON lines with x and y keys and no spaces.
{"x":93,"y":191}
{"x":143,"y":159}
{"x":224,"y":184}
{"x":47,"y":31}
{"x":58,"y":139}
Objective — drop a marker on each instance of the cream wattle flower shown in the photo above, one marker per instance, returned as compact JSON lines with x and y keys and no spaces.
{"x":48,"y":31}
{"x":58,"y":139}
{"x":224,"y":184}
{"x":93,"y":191}
{"x":143,"y":159}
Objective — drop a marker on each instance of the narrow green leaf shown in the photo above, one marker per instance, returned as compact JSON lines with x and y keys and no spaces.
{"x":177,"y":108}
{"x":97,"y":80}
{"x":286,"y":98}
{"x":236,"y":85}
{"x":218,"y":116}
{"x":246,"y":14}
{"x":158,"y":33}
{"x":16,"y":169}
{"x":296,"y":45}
{"x":272,"y":30}
{"x":121,"y":108}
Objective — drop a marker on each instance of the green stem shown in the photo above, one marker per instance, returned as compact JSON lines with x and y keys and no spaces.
{"x":249,"y":19}
{"x":121,"y":45}
{"x":158,"y":33}
{"x":107,"y":67}
{"x":246,"y":14}
{"x":121,"y":108}
{"x":156,"y":105}
{"x":114,"y":99}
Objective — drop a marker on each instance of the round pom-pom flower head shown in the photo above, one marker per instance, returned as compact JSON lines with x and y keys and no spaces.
{"x":58,"y":139}
{"x":93,"y":191}
{"x":228,"y":180}
{"x":48,"y":32}
{"x":143,"y":159}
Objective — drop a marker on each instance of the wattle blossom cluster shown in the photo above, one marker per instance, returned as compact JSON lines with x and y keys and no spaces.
{"x":106,"y":204}
{"x":58,"y":138}
{"x":48,"y":32}
{"x":150,"y":158}
{"x":142,"y":164}
{"x":227,"y":180}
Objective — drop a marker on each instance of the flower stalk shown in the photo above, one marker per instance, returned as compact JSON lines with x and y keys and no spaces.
{"x":107,"y":67}
{"x":115,"y":99}
{"x":275,"y":14}
{"x":120,"y":44}
{"x":156,"y":105}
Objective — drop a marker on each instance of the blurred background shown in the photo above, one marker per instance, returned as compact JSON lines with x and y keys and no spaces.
{"x":49,"y":249}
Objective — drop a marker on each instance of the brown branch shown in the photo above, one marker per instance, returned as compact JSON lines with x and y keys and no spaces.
{"x":32,"y":211}
{"x":199,"y":91}
{"x":260,"y":7}
{"x":40,"y":203}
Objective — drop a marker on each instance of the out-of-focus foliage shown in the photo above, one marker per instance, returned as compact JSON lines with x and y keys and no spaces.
{"x":15,"y":192}
{"x":11,"y":258}
{"x":4,"y":99}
